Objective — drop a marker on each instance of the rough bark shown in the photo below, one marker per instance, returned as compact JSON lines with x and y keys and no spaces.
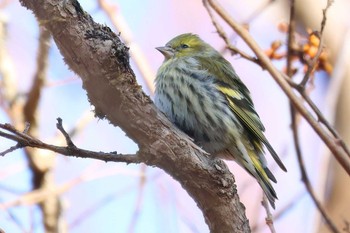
{"x":97,"y":55}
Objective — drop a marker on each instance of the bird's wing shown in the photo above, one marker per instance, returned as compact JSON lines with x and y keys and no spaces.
{"x":244,"y":109}
{"x":239,"y":100}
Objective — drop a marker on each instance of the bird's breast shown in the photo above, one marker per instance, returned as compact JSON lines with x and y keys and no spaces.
{"x":192,"y":102}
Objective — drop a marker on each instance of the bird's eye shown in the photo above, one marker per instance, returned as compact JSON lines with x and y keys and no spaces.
{"x":184,"y":46}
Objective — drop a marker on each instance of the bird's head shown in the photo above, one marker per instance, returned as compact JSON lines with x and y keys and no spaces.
{"x":185,"y":45}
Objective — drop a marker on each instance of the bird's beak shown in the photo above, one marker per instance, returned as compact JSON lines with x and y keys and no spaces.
{"x":168,"y":52}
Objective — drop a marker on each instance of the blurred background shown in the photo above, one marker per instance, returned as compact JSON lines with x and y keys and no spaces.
{"x":94,"y":196}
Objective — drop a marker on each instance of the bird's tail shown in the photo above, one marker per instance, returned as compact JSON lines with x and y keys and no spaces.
{"x":263,"y":175}
{"x":252,"y":160}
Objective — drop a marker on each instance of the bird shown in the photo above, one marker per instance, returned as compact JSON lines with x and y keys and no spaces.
{"x":199,"y":91}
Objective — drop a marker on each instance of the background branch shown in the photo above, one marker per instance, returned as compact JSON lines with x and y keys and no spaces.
{"x":294,"y":114}
{"x":42,"y":162}
{"x":329,"y":140}
{"x":305,"y":177}
{"x":116,"y":17}
{"x":223,"y":35}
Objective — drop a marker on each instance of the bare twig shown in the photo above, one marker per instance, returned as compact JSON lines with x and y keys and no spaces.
{"x":281,"y":211}
{"x":11,"y":149}
{"x":314,"y":61}
{"x":291,"y":38}
{"x":269,"y":218}
{"x":65,"y":134}
{"x":333,"y":145}
{"x":29,"y":141}
{"x":324,"y":18}
{"x":19,"y":145}
{"x":312,"y":64}
{"x":321,"y":118}
{"x":223,"y":35}
{"x":291,"y":32}
{"x":304,"y":176}
{"x":301,"y":88}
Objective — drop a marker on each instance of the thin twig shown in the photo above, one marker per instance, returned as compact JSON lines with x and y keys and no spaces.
{"x":63,"y":131}
{"x":281,"y":211}
{"x":338,"y":152}
{"x":304,"y":176}
{"x":291,"y":38}
{"x":294,"y":115}
{"x":320,"y":117}
{"x":301,"y":89}
{"x":29,"y":141}
{"x":324,"y":18}
{"x":314,"y":61}
{"x":269,"y":218}
{"x":223,"y":35}
{"x":11,"y":149}
{"x":312,"y":64}
{"x":323,"y":120}
{"x":18,"y":145}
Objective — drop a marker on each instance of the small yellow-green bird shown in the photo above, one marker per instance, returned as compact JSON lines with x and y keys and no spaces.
{"x":199,"y":91}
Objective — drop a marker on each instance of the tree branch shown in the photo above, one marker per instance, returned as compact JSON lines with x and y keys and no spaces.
{"x":223,"y":35}
{"x":290,"y":39}
{"x":269,"y":217}
{"x":339,"y":153}
{"x":305,"y":177}
{"x":98,"y":56}
{"x":25,"y":140}
{"x":312,"y":64}
{"x":294,"y":114}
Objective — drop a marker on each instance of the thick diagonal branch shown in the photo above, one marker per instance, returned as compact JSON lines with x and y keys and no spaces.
{"x":96,"y":54}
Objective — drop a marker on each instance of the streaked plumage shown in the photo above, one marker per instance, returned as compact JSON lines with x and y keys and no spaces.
{"x":199,"y":91}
